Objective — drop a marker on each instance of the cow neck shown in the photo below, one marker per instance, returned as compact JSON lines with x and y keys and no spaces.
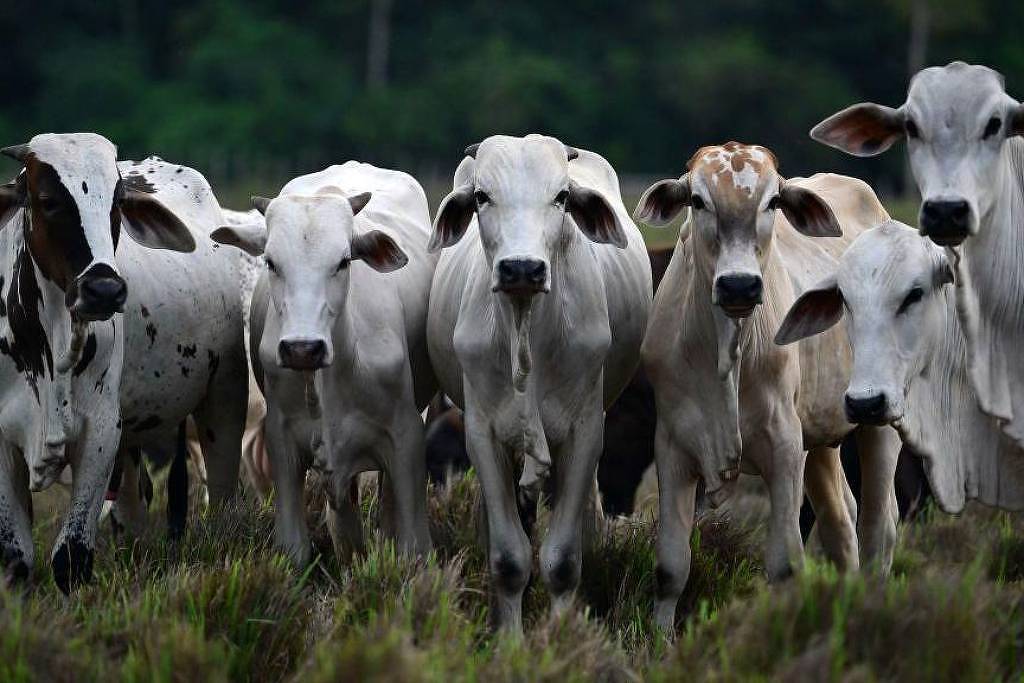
{"x":989,"y":279}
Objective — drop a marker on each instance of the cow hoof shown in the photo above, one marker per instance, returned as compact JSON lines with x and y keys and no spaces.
{"x":72,"y":565}
{"x":16,"y":570}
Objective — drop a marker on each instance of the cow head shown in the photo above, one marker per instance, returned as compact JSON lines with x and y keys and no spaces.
{"x":955,"y":119}
{"x":309,"y":243}
{"x":734,"y":191}
{"x":76,"y":203}
{"x":890,"y":283}
{"x":520,"y":191}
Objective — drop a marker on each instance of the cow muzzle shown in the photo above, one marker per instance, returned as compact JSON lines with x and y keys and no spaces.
{"x":97,"y":294}
{"x":737,"y":294}
{"x":946,"y":221}
{"x":302,"y":354}
{"x":521,"y":276}
{"x":867,"y":409}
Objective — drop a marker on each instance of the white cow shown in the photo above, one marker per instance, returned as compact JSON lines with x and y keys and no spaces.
{"x":910,"y":363}
{"x":537,"y":313}
{"x":338,"y":344}
{"x":727,"y":396}
{"x":964,"y":142}
{"x":79,"y":376}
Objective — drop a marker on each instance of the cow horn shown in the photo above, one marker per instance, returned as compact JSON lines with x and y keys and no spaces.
{"x":18,"y":152}
{"x":471,"y":150}
{"x":260,"y":204}
{"x":571,"y":152}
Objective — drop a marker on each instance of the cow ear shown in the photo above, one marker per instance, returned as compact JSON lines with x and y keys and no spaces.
{"x":863,"y":130}
{"x":152,"y":224}
{"x":1017,"y":120}
{"x":251,"y":238}
{"x":453,"y":217}
{"x":815,"y":311}
{"x":807,"y":212}
{"x":12,"y":197}
{"x":379,"y":251}
{"x":260,"y":204}
{"x":358,"y":202}
{"x":594,"y":216}
{"x":663,"y":201}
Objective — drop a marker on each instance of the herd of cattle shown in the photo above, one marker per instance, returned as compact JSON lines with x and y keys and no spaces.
{"x":793,"y":313}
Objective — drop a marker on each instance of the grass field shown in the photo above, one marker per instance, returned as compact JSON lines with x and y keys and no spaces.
{"x":222,"y":605}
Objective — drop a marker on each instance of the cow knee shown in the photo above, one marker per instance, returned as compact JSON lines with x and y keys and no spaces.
{"x":561,"y":569}
{"x":510,"y":570}
{"x":72,"y":564}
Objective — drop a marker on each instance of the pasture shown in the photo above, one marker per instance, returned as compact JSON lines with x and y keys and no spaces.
{"x":222,"y":605}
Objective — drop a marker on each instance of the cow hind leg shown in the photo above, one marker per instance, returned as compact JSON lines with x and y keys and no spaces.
{"x":343,"y":522}
{"x":879,"y":449}
{"x":134,"y":492}
{"x":827,"y":489}
{"x":177,"y":487}
{"x":677,"y":499}
{"x":220,"y":422}
{"x":17,"y":553}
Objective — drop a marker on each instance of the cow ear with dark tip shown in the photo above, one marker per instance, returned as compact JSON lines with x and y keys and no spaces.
{"x":814,"y":312}
{"x":453,"y":218}
{"x":152,"y":224}
{"x":12,"y":198}
{"x":594,"y":216}
{"x":251,"y":238}
{"x":807,"y":212}
{"x":1017,"y":120}
{"x":471,"y":150}
{"x":358,"y":202}
{"x":260,"y":204}
{"x":863,"y":130}
{"x":663,"y":201}
{"x":378,"y":251}
{"x":17,"y":152}
{"x":571,"y":153}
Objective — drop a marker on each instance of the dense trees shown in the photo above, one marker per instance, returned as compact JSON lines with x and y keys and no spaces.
{"x":267,"y":87}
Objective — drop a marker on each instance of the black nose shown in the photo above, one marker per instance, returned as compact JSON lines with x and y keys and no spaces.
{"x":737,"y":294}
{"x":521,"y":275}
{"x":946,"y":222}
{"x":866,"y":409}
{"x":99,"y":296}
{"x":303,"y":354}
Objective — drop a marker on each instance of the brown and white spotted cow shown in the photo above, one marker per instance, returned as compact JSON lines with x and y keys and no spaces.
{"x":108,"y":342}
{"x":728,"y":398}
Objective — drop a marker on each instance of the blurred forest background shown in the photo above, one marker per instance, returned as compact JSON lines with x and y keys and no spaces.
{"x":252,"y":92}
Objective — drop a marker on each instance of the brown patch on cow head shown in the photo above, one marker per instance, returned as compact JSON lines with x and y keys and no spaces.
{"x":735,"y":174}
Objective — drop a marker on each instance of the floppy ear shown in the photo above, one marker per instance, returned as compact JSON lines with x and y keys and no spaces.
{"x":12,"y":198}
{"x":260,"y":204}
{"x":152,"y":224}
{"x":807,"y":212}
{"x":358,"y":202}
{"x":379,"y":251}
{"x":815,"y":311}
{"x":1017,"y":120}
{"x":17,"y":152}
{"x":453,"y":217}
{"x":663,"y":201}
{"x":594,"y":217}
{"x":251,"y":238}
{"x":863,"y":130}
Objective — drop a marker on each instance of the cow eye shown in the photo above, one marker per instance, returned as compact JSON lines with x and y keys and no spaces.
{"x":912,"y":131}
{"x":342,"y":265}
{"x":697,"y":203}
{"x":481,"y":197}
{"x":913,"y":296}
{"x":561,"y":198}
{"x":773,"y":203}
{"x":992,"y":127}
{"x":271,"y":266}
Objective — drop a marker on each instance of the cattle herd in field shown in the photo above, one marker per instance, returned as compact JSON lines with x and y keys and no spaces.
{"x":312,"y":333}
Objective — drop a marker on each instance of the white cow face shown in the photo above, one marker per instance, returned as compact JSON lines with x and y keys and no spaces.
{"x":734,"y":191}
{"x":309,"y":244}
{"x":520,"y":191}
{"x":890,"y":284}
{"x":76,"y":203}
{"x":956,"y":120}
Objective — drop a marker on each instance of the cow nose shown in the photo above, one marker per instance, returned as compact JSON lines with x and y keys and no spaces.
{"x":521,"y":275}
{"x":302,"y":354}
{"x":866,"y":409}
{"x":738,"y":293}
{"x":100,"y":296}
{"x":946,"y":221}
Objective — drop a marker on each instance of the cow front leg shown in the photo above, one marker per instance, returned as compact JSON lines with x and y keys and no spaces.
{"x":784,"y":552}
{"x":220,"y":423}
{"x":878,"y":449}
{"x":289,"y":472}
{"x":826,"y":487}
{"x":92,"y":462}
{"x":132,"y":504}
{"x":677,"y":499}
{"x":343,"y":521}
{"x":407,"y":481}
{"x":17,"y":553}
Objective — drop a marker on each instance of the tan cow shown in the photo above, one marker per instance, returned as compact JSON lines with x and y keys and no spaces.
{"x":727,"y":396}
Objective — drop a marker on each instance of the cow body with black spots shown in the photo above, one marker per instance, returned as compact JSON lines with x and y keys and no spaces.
{"x":109,"y":340}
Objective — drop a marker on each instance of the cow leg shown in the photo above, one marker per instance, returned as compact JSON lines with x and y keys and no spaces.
{"x":220,"y":422}
{"x":289,"y":473}
{"x":879,"y":449}
{"x":779,"y":456}
{"x":406,"y":479}
{"x":826,"y":487}
{"x":131,"y":507}
{"x":575,"y":465}
{"x":177,"y":487}
{"x":17,"y":553}
{"x":343,"y":522}
{"x":677,"y":499}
